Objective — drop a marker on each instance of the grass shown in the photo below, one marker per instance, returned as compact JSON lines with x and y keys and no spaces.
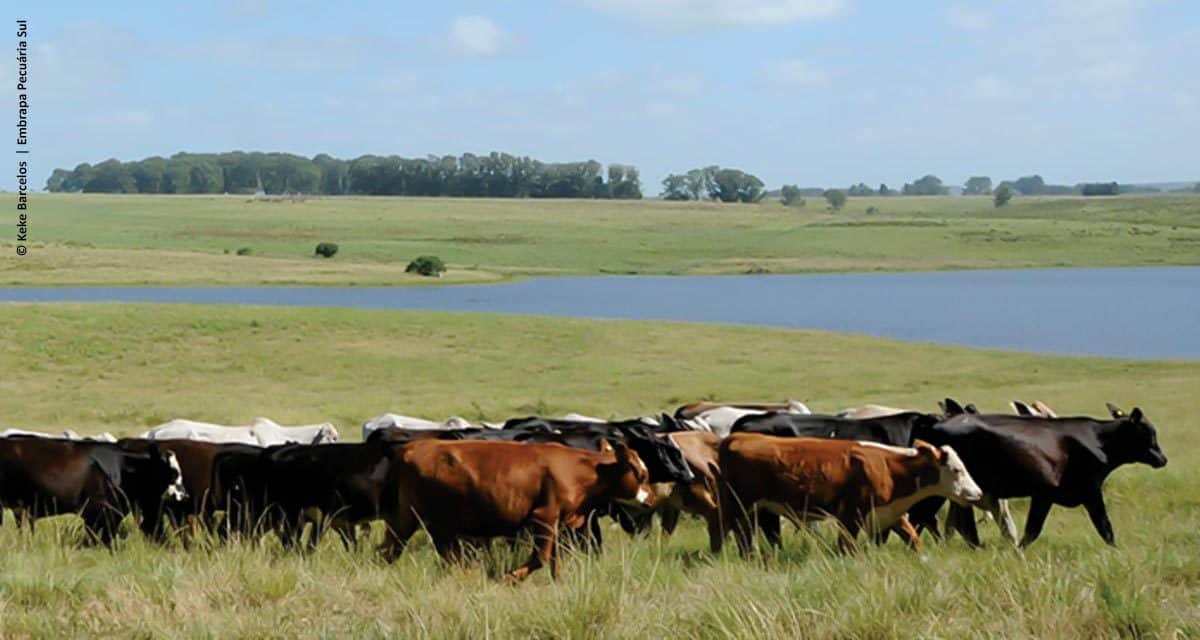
{"x":122,"y":367}
{"x":102,"y":239}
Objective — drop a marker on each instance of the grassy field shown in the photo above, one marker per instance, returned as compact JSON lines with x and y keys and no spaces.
{"x":121,"y":368}
{"x":98,"y":239}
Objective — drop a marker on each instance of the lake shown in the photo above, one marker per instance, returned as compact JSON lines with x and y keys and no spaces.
{"x":1134,"y":313}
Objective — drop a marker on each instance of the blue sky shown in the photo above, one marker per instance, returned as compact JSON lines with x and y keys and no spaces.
{"x":814,"y":92}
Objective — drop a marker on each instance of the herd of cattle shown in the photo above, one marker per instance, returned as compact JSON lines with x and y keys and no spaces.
{"x":739,"y":467}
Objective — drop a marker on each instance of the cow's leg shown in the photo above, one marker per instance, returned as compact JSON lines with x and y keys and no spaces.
{"x":545,"y":532}
{"x":907,"y":531}
{"x":1039,"y":508}
{"x":772,"y":527}
{"x":347,"y":531}
{"x":669,"y":515}
{"x":743,"y":531}
{"x":962,"y":520}
{"x":923,"y":515}
{"x":448,"y":546}
{"x":1099,"y":515}
{"x":401,"y":524}
{"x":847,"y":532}
{"x":1004,"y":519}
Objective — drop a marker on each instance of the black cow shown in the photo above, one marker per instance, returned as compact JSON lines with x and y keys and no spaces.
{"x":1062,"y":461}
{"x":896,"y":430}
{"x":196,"y":461}
{"x":346,"y":483}
{"x":98,"y":480}
{"x":662,"y":457}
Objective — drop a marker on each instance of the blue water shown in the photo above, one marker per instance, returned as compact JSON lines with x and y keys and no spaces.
{"x":1135,"y":313}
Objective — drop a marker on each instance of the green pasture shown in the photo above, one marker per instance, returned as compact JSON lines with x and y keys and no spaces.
{"x":122,"y":368}
{"x":140,"y":239}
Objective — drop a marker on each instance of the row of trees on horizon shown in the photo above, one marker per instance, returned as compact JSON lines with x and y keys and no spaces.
{"x":497,"y":175}
{"x":494,"y":175}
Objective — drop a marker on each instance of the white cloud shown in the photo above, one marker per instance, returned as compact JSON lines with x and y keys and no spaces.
{"x":475,"y":36}
{"x":676,"y":14}
{"x":302,"y":54}
{"x":968,"y":19}
{"x":794,"y":72}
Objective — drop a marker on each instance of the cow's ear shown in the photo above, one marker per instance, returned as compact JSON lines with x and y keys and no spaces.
{"x":1136,"y":414}
{"x":1020,"y":408}
{"x":1114,"y":410}
{"x":925,"y":449}
{"x":971,"y":409}
{"x":952,"y":408}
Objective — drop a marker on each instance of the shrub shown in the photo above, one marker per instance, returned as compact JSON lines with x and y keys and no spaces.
{"x":872,"y":211}
{"x":426,"y":266}
{"x":326,"y":249}
{"x":836,"y":198}
{"x":244,"y":251}
{"x":1003,"y":194}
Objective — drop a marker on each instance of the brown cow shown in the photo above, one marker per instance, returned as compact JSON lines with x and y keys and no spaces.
{"x":862,"y":485}
{"x":700,"y":497}
{"x":480,"y":489}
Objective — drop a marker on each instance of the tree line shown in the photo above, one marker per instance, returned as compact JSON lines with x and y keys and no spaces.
{"x":497,"y":175}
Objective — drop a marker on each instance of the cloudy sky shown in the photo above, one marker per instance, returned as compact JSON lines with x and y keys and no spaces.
{"x":816,"y":92}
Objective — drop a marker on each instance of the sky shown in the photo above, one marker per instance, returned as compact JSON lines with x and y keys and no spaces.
{"x":811,"y":92}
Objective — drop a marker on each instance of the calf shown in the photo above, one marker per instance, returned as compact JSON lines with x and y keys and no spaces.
{"x":1062,"y":461}
{"x":458,"y":490}
{"x":98,"y":480}
{"x":859,"y":484}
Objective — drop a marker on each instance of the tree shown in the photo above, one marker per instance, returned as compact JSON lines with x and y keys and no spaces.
{"x":1003,"y":194}
{"x":675,"y":187}
{"x":734,"y":185}
{"x":860,"y":190}
{"x":1030,"y":185}
{"x":1100,"y":189}
{"x":836,"y":198}
{"x":1196,"y":188}
{"x":426,"y":266}
{"x":884,"y":190}
{"x":790,"y":196}
{"x":977,"y":186}
{"x":928,"y":185}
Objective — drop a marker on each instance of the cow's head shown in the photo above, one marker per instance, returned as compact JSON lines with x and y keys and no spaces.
{"x":661,"y":456}
{"x":326,"y":434}
{"x":953,"y":482}
{"x":160,"y":477}
{"x":1136,"y":439}
{"x":629,"y":478}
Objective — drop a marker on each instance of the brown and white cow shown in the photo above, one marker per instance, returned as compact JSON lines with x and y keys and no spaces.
{"x":861,"y":485}
{"x":460,"y":490}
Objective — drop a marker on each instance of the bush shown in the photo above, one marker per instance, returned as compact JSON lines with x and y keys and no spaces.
{"x":244,"y":251}
{"x":871,"y":211}
{"x":426,"y":266}
{"x":836,"y":198}
{"x":326,"y":249}
{"x":1003,"y":194}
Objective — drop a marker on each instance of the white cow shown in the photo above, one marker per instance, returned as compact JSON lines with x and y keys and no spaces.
{"x":720,"y":420}
{"x":389,"y":420}
{"x":868,"y":411}
{"x":67,"y":435}
{"x":263,"y":432}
